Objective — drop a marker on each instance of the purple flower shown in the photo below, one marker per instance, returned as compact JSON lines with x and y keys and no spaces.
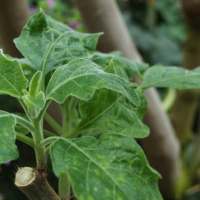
{"x":50,"y":3}
{"x":33,"y":9}
{"x":74,"y":25}
{"x":2,"y":196}
{"x":7,"y":163}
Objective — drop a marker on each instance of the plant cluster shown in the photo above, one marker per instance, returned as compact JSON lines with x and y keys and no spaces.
{"x":94,"y":150}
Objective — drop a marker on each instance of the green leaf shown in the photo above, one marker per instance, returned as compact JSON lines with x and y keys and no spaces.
{"x":20,"y":129}
{"x":35,"y":84}
{"x":109,"y":112}
{"x":37,"y":101}
{"x":81,"y":77}
{"x":131,"y":67}
{"x":12,"y":80}
{"x":49,"y":44}
{"x":112,"y":167}
{"x":176,"y":77}
{"x":8,"y":149}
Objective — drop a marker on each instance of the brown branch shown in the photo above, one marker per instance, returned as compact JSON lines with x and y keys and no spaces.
{"x":161,"y":147}
{"x":34,"y":184}
{"x":13,"y":16}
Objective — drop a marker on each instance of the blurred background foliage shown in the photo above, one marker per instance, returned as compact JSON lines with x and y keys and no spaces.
{"x":157,"y":27}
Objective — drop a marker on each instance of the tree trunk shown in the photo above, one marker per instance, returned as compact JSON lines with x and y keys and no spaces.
{"x":13,"y":16}
{"x":184,"y":109}
{"x":161,"y":147}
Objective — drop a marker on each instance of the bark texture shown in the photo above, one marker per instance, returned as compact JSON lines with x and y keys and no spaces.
{"x":34,"y":184}
{"x":185,"y":107}
{"x":161,"y":147}
{"x":13,"y":16}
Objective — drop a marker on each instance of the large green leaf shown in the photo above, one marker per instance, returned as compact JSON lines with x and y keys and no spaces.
{"x":112,"y":167}
{"x":176,"y":77}
{"x":8,"y":149}
{"x":12,"y":80}
{"x":81,"y":77}
{"x":131,"y":67}
{"x":109,"y":112}
{"x":49,"y":44}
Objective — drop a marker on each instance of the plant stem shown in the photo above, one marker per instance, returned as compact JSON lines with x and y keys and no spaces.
{"x":194,"y":159}
{"x":34,"y":184}
{"x":40,"y":151}
{"x":72,"y":133}
{"x":25,"y":139}
{"x":49,"y":140}
{"x":66,"y":117}
{"x":24,"y":107}
{"x":64,"y":187}
{"x":53,"y":123}
{"x":41,"y":114}
{"x":26,"y":124}
{"x":48,"y":133}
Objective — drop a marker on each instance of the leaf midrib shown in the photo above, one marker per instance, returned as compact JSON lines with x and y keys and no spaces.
{"x":102,"y":168}
{"x":79,"y":128}
{"x":51,"y":48}
{"x":12,"y":86}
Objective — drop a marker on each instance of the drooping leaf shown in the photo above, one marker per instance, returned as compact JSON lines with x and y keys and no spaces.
{"x":12,"y":80}
{"x":81,"y":77}
{"x":176,"y":77}
{"x":49,"y":44}
{"x":112,"y":167}
{"x":8,"y":149}
{"x":109,"y":112}
{"x":20,"y":129}
{"x":131,"y":67}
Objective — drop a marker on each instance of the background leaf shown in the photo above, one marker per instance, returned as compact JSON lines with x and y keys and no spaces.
{"x":176,"y":77}
{"x":81,"y":77}
{"x":8,"y":149}
{"x":12,"y":80}
{"x":131,"y":67}
{"x":110,"y":112}
{"x":49,"y":44}
{"x":112,"y":167}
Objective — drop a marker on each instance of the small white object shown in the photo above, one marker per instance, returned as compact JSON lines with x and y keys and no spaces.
{"x":24,"y":176}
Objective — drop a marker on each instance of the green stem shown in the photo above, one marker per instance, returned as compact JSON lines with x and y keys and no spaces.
{"x":48,"y":133}
{"x":40,"y":151}
{"x":169,"y":99}
{"x":49,"y":140}
{"x":195,"y":159}
{"x":42,"y":112}
{"x":25,"y":139}
{"x":72,"y":133}
{"x":26,"y":124}
{"x":53,"y":123}
{"x":64,"y":187}
{"x":24,"y":106}
{"x":66,"y":117}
